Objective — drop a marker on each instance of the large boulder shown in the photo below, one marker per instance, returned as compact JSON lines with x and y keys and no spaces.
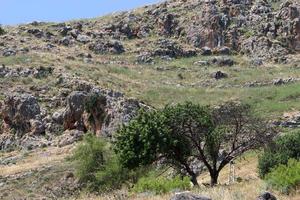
{"x":72,"y":117}
{"x":188,"y":196}
{"x":18,"y":112}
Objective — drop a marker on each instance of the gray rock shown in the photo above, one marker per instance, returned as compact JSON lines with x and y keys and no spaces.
{"x":170,"y":48}
{"x":103,"y":46}
{"x":36,"y":32}
{"x":257,"y":61}
{"x":222,"y":61}
{"x":206,"y":51}
{"x":83,"y":38}
{"x":69,"y":137}
{"x":74,"y":110}
{"x":18,"y":110}
{"x":145,"y":58}
{"x":202,"y":63}
{"x":37,"y":127}
{"x":64,"y":31}
{"x":66,"y":41}
{"x":188,"y":196}
{"x":9,"y":52}
{"x":224,"y":51}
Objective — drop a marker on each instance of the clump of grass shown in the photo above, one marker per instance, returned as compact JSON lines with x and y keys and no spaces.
{"x":161,"y":185}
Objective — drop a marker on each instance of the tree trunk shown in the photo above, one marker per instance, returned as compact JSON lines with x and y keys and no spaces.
{"x":192,"y":175}
{"x":194,"y":180}
{"x":214,"y":178}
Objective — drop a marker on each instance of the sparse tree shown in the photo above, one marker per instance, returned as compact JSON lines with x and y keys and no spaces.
{"x":189,"y":131}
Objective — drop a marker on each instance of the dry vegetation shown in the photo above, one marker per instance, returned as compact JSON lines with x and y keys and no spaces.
{"x":248,"y":188}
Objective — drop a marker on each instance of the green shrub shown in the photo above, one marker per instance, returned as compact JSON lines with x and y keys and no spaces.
{"x":97,"y":167}
{"x":285,"y":178}
{"x":2,"y":31}
{"x":161,"y":185}
{"x":284,"y":148}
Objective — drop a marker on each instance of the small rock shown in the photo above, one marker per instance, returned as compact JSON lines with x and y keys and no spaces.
{"x":219,"y":75}
{"x":9,"y":52}
{"x":224,"y":51}
{"x":266,"y":196}
{"x":201,"y":63}
{"x":37,"y":127}
{"x":256,"y":62}
{"x":206,"y":51}
{"x":66,"y":41}
{"x":145,"y":58}
{"x":83,"y":39}
{"x":222,"y":61}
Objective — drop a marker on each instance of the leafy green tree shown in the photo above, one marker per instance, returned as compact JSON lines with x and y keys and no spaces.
{"x":181,"y":133}
{"x":279,"y":152}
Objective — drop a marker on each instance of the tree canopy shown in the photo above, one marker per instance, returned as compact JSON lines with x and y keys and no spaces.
{"x":179,"y":134}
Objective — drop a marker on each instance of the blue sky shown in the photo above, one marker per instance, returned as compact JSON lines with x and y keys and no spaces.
{"x":23,"y":11}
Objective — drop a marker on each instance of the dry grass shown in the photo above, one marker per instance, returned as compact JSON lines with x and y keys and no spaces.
{"x":35,"y":160}
{"x":248,"y":189}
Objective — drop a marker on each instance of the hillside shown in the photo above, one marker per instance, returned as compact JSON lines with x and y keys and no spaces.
{"x":204,"y":51}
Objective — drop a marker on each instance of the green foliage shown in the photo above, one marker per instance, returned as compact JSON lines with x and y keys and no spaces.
{"x":180,"y":119}
{"x":160,"y":185}
{"x":155,"y":133}
{"x":185,"y":131}
{"x":140,"y":142}
{"x":96,"y":165}
{"x":2,"y":31}
{"x":285,"y":178}
{"x":283,"y":149}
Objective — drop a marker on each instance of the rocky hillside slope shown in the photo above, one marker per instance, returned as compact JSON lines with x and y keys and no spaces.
{"x":205,"y":51}
{"x":258,"y":29}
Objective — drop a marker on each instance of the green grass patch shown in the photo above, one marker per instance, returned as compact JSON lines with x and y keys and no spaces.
{"x":161,"y":185}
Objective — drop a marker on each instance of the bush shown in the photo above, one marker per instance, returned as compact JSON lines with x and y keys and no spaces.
{"x":161,"y":185}
{"x":283,"y":149}
{"x":285,"y":178}
{"x":97,"y":167}
{"x":2,"y":31}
